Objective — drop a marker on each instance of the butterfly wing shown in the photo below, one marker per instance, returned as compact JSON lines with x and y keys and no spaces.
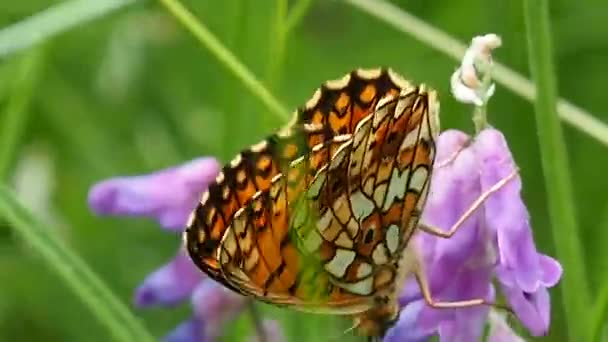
{"x":334,"y":110}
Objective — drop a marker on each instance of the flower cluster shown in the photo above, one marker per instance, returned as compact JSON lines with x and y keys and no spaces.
{"x":494,"y":242}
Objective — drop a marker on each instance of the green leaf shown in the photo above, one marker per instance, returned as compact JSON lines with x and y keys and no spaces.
{"x":93,"y":292}
{"x":575,"y":290}
{"x":52,"y":21}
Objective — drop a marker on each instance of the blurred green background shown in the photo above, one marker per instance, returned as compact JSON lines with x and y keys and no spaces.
{"x":133,"y":92}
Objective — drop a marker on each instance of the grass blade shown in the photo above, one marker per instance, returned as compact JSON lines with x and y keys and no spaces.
{"x":52,"y":21}
{"x":444,"y":43}
{"x":93,"y":292}
{"x":226,"y":57}
{"x":575,"y":289}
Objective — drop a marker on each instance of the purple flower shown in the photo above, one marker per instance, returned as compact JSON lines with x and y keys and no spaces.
{"x":168,"y":196}
{"x":494,"y":242}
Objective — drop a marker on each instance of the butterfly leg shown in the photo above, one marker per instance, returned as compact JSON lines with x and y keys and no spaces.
{"x":476,"y":204}
{"x":425,"y":289}
{"x":447,"y":161}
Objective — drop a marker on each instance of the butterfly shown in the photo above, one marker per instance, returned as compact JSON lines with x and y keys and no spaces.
{"x":318,"y":215}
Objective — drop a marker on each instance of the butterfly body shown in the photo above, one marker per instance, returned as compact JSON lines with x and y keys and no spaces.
{"x":319,"y":215}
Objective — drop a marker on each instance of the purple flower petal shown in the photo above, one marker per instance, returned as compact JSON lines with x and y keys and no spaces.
{"x":215,"y":305}
{"x":532,"y":309}
{"x":551,"y":270}
{"x":167,"y":195}
{"x":505,"y":211}
{"x":407,"y":329}
{"x":170,"y":284}
{"x":500,"y":331}
{"x":189,"y":331}
{"x":454,"y":188}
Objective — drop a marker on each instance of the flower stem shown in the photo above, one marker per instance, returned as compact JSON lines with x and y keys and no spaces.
{"x":257,"y":321}
{"x":575,"y":290}
{"x":296,"y":14}
{"x":600,"y":315}
{"x":93,"y":292}
{"x":16,"y":114}
{"x":226,"y":57}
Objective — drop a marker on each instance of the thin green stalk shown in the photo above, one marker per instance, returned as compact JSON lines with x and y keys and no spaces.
{"x":16,"y":114}
{"x":93,"y":292}
{"x":448,"y":45}
{"x":226,"y":57}
{"x":277,"y":46}
{"x":600,"y":314}
{"x":554,"y":160}
{"x":296,"y":14}
{"x":52,"y":21}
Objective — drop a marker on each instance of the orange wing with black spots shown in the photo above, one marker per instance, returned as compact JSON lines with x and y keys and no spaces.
{"x":317,"y":216}
{"x":338,"y":105}
{"x":346,"y":100}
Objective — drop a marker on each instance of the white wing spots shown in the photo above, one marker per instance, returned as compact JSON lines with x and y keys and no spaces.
{"x":338,"y":264}
{"x":379,"y":254}
{"x":381,"y":111}
{"x":369,"y":74}
{"x":191,"y":219}
{"x":411,"y":138}
{"x":362,"y":206}
{"x":234,"y":163}
{"x":392,"y":238}
{"x":344,"y":240}
{"x":379,"y":193}
{"x":259,"y":147}
{"x":398,"y":80}
{"x":337,"y":84}
{"x":396,"y":188}
{"x":419,"y":178}
{"x":324,"y":222}
{"x":314,"y":99}
{"x":219,"y":179}
{"x":364,"y":270}
{"x":362,"y":287}
{"x":402,"y":105}
{"x":433,"y":114}
{"x":339,"y":156}
{"x":229,"y":242}
{"x":204,"y":197}
{"x":313,"y":241}
{"x":353,"y":227}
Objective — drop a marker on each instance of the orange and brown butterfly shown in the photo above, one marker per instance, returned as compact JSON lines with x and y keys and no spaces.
{"x":318,"y":216}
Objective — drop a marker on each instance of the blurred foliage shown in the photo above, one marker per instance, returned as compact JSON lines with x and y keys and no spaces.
{"x":133,"y":92}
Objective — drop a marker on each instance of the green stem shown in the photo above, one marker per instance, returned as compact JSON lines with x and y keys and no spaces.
{"x":575,"y":289}
{"x":17,"y":114}
{"x":448,"y":45}
{"x":600,"y":315}
{"x":202,"y":33}
{"x":52,"y":21}
{"x":296,"y":14}
{"x":93,"y":292}
{"x":277,"y":49}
